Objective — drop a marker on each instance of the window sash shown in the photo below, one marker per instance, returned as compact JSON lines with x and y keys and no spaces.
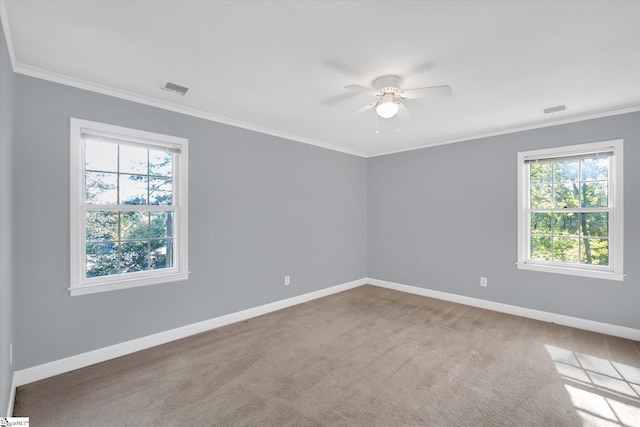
{"x":615,"y":209}
{"x":580,"y":237}
{"x":105,"y":138}
{"x":577,"y":210}
{"x":129,"y":208}
{"x":81,"y":131}
{"x":581,"y":156}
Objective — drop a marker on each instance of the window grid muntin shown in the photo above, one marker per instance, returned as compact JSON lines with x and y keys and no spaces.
{"x":120,"y":240}
{"x":148,"y":175}
{"x":79,"y":285}
{"x":579,"y":210}
{"x":121,"y":207}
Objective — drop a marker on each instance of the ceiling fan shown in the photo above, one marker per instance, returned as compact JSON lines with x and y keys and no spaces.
{"x":387,"y":90}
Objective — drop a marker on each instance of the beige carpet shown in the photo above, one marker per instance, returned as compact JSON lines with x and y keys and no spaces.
{"x":364,"y":357}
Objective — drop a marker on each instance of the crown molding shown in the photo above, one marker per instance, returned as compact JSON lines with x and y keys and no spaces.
{"x":154,"y":102}
{"x":7,"y":33}
{"x":39,"y":73}
{"x":613,"y":111}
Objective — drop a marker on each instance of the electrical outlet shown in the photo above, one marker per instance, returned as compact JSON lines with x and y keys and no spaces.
{"x":287,"y":280}
{"x":483,"y":282}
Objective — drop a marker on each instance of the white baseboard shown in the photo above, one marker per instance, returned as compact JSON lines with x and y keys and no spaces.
{"x":560,"y":319}
{"x":72,"y":363}
{"x":12,"y":399}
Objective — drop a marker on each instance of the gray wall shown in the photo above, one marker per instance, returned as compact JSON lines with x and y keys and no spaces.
{"x":441,"y":217}
{"x":260,"y":208}
{"x":6,"y":283}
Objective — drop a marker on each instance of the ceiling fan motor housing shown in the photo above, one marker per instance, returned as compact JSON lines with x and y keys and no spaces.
{"x":388,"y":84}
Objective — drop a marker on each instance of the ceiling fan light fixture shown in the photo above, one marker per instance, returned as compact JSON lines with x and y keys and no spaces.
{"x":387,"y":108}
{"x":390,"y":96}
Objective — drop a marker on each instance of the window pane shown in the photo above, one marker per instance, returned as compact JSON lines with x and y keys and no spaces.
{"x":565,"y":249}
{"x":565,"y":171}
{"x":133,"y":190}
{"x":162,"y":224}
{"x":134,"y":225}
{"x":566,"y":195}
{"x":595,"y":224}
{"x":101,"y":157}
{"x":125,"y":218}
{"x":540,"y":196}
{"x":565,"y":223}
{"x":102,"y":226}
{"x":133,"y":160}
{"x":102,"y":259}
{"x":594,"y":251}
{"x":161,"y":253}
{"x":540,"y":223}
{"x":541,"y":172}
{"x":594,"y":169}
{"x":101,"y":188}
{"x":134,"y":256}
{"x":160,"y":163}
{"x":161,"y":191}
{"x":541,"y":248}
{"x":571,"y":212}
{"x":595,"y":194}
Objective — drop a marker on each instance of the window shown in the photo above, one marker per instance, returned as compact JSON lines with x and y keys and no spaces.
{"x":570,"y":210}
{"x":128,"y":208}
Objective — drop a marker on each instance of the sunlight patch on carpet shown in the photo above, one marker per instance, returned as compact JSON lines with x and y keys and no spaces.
{"x":603,"y":392}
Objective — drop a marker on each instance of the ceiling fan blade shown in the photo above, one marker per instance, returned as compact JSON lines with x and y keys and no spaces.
{"x":420,"y":68}
{"x":406,"y":112}
{"x":339,"y":98}
{"x":360,"y":111}
{"x":359,"y":88}
{"x":340,"y":67}
{"x":425,"y":92}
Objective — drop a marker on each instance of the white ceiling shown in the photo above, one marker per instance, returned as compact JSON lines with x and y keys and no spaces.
{"x":281,"y":67}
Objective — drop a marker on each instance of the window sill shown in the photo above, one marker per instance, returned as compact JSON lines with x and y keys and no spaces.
{"x":126,"y":284}
{"x":607,"y":275}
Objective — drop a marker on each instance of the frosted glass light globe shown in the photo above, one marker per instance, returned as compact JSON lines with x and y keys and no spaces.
{"x":387,"y":109}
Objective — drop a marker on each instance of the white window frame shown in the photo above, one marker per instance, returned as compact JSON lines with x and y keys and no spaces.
{"x":614,"y":271}
{"x":80,"y":284}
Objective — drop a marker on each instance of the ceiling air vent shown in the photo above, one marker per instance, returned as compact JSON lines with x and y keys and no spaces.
{"x":555,"y":109}
{"x":172,"y":87}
